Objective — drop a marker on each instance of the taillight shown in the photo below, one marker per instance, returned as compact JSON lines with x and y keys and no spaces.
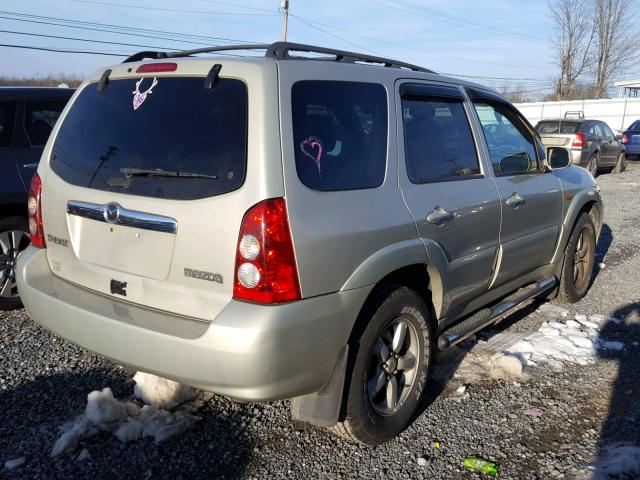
{"x":157,"y":67}
{"x":579,"y":141}
{"x":34,"y":207}
{"x":266,"y":269}
{"x":625,"y":138}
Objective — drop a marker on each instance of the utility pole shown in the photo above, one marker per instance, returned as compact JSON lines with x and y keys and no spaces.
{"x":284,"y":5}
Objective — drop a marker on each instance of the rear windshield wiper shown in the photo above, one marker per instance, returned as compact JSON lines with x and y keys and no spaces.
{"x":149,"y":172}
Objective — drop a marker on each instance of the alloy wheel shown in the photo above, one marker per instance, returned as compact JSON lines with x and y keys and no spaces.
{"x":392,"y":368}
{"x":582,"y":260}
{"x":12,"y":242}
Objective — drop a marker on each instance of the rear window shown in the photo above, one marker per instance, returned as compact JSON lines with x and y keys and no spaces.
{"x":340,"y":134}
{"x":177,"y":141}
{"x":557,"y":127}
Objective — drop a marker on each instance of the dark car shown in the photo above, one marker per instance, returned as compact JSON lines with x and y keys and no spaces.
{"x":593,"y":144}
{"x":631,"y":140}
{"x":27,"y":116}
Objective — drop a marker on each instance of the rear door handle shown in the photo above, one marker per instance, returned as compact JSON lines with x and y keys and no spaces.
{"x":515,"y":200}
{"x":29,"y":165}
{"x":439,"y":215}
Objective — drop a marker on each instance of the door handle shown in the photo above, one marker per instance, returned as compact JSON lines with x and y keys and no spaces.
{"x":439,"y":215}
{"x":515,"y":200}
{"x":29,"y":165}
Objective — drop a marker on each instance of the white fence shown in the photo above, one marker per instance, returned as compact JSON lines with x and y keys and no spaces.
{"x":618,"y":113}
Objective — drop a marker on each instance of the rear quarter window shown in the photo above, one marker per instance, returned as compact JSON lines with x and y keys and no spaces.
{"x":340,"y":134}
{"x":40,"y":118}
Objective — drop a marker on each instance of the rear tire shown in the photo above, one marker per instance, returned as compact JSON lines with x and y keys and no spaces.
{"x":388,"y":368}
{"x":579,"y":257}
{"x":592,"y":165}
{"x":14,"y":238}
{"x":621,"y":164}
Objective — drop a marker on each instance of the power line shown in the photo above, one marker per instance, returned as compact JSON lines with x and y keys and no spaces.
{"x":124,"y":27}
{"x":415,"y":49}
{"x":58,"y":50}
{"x":83,"y":39}
{"x":300,"y":19}
{"x":164,"y":9}
{"x":453,"y":19}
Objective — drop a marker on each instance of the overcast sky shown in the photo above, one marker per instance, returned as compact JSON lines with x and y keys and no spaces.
{"x":489,"y":38}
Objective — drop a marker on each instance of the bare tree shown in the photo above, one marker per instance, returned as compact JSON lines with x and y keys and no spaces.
{"x":616,"y":43}
{"x":575,"y":36}
{"x":514,"y":93}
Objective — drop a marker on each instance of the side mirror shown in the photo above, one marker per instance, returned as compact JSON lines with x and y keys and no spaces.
{"x":618,"y":136}
{"x":515,"y":163}
{"x":558,"y":157}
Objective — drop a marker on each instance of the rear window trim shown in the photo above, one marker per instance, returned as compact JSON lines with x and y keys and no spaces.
{"x":78,"y":92}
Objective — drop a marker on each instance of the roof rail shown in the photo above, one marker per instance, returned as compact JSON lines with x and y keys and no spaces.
{"x":281,"y":51}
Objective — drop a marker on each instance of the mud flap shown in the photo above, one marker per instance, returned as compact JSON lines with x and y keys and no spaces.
{"x":322,"y":408}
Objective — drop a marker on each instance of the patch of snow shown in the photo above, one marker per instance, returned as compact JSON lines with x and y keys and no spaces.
{"x":559,"y":340}
{"x":161,"y":392}
{"x":14,"y":463}
{"x":126,"y":420}
{"x":103,"y":408}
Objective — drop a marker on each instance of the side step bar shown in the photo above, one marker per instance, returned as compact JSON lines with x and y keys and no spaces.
{"x":485,"y":317}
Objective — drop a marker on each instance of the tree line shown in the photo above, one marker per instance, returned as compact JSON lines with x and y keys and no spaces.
{"x":595,"y":41}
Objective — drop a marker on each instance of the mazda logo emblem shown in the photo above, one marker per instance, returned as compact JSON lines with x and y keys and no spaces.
{"x":111,"y":213}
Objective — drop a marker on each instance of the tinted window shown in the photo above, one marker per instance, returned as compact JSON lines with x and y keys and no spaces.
{"x":437,"y":139}
{"x":607,"y":133}
{"x":340,"y":134}
{"x":7,"y":117}
{"x":594,"y":130}
{"x":511,"y":144}
{"x":551,"y":128}
{"x":635,"y":126}
{"x":40,"y":117}
{"x":179,"y":127}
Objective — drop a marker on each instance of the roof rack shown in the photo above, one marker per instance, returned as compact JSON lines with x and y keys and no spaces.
{"x":281,"y":51}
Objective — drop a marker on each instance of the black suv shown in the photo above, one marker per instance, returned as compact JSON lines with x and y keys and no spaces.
{"x":27,"y":116}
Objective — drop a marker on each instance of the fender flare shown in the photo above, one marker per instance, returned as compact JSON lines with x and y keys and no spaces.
{"x":580,"y":201}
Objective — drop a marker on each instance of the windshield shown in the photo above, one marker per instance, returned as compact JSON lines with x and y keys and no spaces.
{"x":557,"y":127}
{"x":176,"y":126}
{"x":635,"y":125}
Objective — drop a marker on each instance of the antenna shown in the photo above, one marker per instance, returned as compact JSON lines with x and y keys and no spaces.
{"x":284,"y":6}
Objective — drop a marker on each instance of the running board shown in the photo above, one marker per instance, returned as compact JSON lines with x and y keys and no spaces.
{"x":487,"y":316}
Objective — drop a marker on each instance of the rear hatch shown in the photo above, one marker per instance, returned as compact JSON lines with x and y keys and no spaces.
{"x":557,"y":133}
{"x":148,"y":181}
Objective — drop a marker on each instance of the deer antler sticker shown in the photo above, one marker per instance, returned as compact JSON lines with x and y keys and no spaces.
{"x":140,"y":97}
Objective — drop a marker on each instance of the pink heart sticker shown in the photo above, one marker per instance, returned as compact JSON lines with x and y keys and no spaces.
{"x":312,"y":147}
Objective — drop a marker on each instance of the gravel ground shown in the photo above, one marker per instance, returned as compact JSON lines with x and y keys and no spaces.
{"x":44,"y":381}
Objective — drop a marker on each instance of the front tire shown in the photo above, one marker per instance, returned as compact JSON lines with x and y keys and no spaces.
{"x":579,"y":257}
{"x":592,"y":165}
{"x":621,"y":164}
{"x":388,"y":368}
{"x":13,"y":240}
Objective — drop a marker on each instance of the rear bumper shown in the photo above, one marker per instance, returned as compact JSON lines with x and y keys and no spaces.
{"x":248,"y":352}
{"x":580,"y":157}
{"x":632,"y":148}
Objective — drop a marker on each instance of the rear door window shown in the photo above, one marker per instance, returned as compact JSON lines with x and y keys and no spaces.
{"x":181,"y":141}
{"x":40,"y":118}
{"x":7,"y":119}
{"x":438,"y":140}
{"x":340,"y":134}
